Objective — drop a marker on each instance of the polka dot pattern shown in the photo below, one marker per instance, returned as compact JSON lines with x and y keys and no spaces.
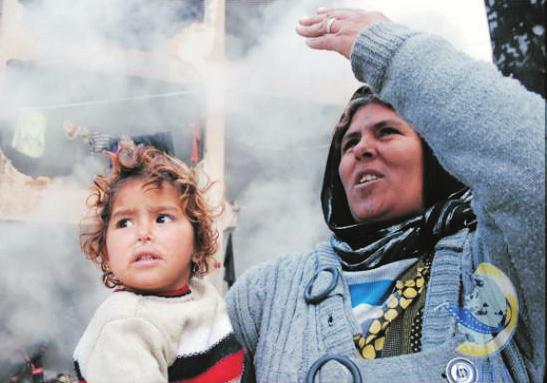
{"x":416,"y":332}
{"x":406,"y":292}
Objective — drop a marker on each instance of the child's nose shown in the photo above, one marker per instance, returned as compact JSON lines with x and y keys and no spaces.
{"x":145,"y":232}
{"x":145,"y":237}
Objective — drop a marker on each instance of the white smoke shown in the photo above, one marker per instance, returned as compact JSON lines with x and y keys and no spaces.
{"x":289,"y":99}
{"x":281,"y":103}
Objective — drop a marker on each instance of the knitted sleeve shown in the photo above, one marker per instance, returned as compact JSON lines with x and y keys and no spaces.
{"x":127,"y":350}
{"x":485,"y":129}
{"x":245,"y":301}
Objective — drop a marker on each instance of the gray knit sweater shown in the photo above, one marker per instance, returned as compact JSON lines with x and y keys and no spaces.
{"x":486,"y":130}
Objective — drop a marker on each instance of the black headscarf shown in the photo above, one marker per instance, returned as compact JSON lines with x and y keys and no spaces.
{"x":365,"y":245}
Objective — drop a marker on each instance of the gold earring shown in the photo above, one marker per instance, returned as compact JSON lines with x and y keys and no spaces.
{"x":109,"y":279}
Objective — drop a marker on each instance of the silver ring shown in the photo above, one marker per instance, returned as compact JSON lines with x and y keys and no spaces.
{"x":330,"y":21}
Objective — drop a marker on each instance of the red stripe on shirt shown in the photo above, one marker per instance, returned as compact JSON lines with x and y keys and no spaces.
{"x":225,"y":370}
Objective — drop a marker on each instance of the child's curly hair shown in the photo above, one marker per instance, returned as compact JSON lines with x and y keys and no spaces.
{"x":150,"y":163}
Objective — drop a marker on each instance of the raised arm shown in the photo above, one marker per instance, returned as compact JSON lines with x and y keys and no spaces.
{"x":486,"y":129}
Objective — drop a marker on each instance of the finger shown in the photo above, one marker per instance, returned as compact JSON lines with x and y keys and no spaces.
{"x":313,"y":30}
{"x":332,"y":25}
{"x":310,"y":20}
{"x":323,"y":42}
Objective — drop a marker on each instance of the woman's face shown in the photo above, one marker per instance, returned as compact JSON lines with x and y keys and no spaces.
{"x":381,"y":166}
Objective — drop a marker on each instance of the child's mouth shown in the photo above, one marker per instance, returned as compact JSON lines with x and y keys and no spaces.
{"x":146,"y":258}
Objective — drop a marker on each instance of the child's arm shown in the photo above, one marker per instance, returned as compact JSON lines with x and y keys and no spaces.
{"x":127,"y":350}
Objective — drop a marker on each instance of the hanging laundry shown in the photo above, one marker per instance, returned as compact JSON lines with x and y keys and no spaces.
{"x":74,"y":130}
{"x":162,"y":141}
{"x":100,"y":141}
{"x":96,"y":141}
{"x":29,"y":137}
{"x":229,"y":267}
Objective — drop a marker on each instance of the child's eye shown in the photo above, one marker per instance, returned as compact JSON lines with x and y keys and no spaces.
{"x":164,"y":218}
{"x":124,"y":222}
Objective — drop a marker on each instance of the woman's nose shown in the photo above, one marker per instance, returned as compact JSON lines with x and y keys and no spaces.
{"x":365,"y":148}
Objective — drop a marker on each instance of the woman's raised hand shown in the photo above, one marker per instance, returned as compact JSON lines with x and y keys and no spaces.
{"x":336,"y":29}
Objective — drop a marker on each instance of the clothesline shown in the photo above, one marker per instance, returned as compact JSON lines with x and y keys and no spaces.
{"x":278,"y":148}
{"x":166,"y":95}
{"x":107,"y":101}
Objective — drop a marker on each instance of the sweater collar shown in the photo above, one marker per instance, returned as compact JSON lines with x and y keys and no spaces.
{"x":183,"y":291}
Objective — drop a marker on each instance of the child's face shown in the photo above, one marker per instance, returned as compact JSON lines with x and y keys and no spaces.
{"x":149,"y":240}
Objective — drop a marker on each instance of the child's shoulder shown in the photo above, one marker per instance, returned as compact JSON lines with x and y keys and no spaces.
{"x":117,"y":307}
{"x":119,"y":304}
{"x":159,"y":311}
{"x":134,"y":309}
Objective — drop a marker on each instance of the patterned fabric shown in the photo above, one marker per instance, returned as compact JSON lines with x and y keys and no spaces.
{"x":220,"y":363}
{"x":98,"y":142}
{"x":416,"y":331}
{"x":405,"y":292}
{"x":369,"y":289}
{"x":410,"y":238}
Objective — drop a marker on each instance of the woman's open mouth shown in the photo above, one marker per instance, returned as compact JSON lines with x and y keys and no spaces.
{"x":368,"y":178}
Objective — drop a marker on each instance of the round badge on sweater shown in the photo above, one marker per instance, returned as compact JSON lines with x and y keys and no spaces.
{"x":489,"y":314}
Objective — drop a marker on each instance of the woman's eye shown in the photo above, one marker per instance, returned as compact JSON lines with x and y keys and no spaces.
{"x":386,"y":131}
{"x":164,"y":218}
{"x":124,"y":222}
{"x":348,"y":145}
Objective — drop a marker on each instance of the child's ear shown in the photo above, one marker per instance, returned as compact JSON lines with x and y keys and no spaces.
{"x":105,"y":265}
{"x":195,"y":264}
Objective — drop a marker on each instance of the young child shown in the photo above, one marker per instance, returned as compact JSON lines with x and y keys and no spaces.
{"x":153,"y":238}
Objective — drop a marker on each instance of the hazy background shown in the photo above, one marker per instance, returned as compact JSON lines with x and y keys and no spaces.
{"x":282,"y":101}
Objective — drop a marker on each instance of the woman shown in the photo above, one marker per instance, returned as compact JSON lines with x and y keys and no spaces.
{"x":434,"y":192}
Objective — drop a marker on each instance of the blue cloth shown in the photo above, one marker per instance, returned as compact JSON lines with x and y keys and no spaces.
{"x":372,"y":293}
{"x":369,"y":289}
